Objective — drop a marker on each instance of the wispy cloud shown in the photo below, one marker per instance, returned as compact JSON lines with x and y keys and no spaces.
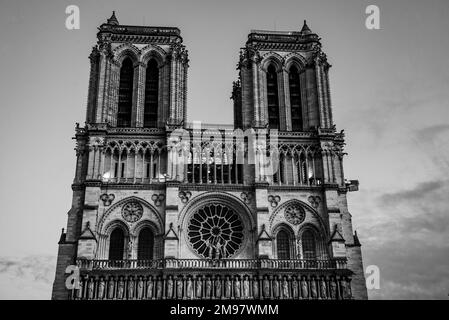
{"x":29,"y":277}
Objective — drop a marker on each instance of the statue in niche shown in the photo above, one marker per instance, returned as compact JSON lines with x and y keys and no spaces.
{"x":237,"y":288}
{"x":333,"y":289}
{"x":150,"y":288}
{"x":255,"y":288}
{"x":323,"y":289}
{"x":131,"y":288}
{"x":140,"y":288}
{"x":80,"y":290}
{"x":120,"y":288}
{"x":199,"y":287}
{"x":294,"y":288}
{"x":159,"y":288}
{"x":285,"y":293}
{"x":304,"y":289}
{"x":189,"y":288}
{"x":130,"y":249}
{"x":227,"y":288}
{"x":90,"y":289}
{"x":218,"y":288}
{"x":208,"y":288}
{"x":246,"y":287}
{"x":313,"y":289}
{"x":169,"y":287}
{"x":179,"y":287}
{"x":266,"y":287}
{"x":111,"y":288}
{"x":101,"y":287}
{"x":346,"y":290}
{"x":276,"y":288}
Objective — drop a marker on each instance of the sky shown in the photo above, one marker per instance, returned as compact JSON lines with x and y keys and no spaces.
{"x":390,"y":93}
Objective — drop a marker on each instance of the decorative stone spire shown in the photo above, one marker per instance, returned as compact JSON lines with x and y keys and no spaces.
{"x":305,"y":28}
{"x":356,"y":240}
{"x":113,"y":19}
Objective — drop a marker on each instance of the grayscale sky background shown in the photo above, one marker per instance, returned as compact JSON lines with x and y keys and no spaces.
{"x":390,"y":92}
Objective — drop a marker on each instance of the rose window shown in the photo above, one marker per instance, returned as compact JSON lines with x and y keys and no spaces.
{"x":294,"y":214}
{"x":132,"y":211}
{"x":215,"y":231}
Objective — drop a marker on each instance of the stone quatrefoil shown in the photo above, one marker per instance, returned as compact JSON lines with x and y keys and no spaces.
{"x":274,"y":200}
{"x":246,"y":197}
{"x":314,"y":201}
{"x":107,"y":199}
{"x":185,"y":196}
{"x":158,"y":199}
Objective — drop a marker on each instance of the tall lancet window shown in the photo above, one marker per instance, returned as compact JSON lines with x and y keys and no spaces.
{"x":283,"y":245}
{"x":273,"y":99}
{"x":151,"y":94}
{"x":145,"y":244}
{"x":295,"y":99}
{"x":116,"y":244}
{"x":125,"y":99}
{"x":308,"y":245}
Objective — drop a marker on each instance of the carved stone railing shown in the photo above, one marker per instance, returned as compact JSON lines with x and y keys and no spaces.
{"x":251,"y":264}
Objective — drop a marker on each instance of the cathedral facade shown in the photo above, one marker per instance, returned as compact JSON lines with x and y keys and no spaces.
{"x":166,"y":209}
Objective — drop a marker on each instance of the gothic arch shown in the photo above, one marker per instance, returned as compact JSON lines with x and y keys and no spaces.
{"x":309,"y":211}
{"x":296,"y":59}
{"x":153,"y":52}
{"x":114,"y":224}
{"x":282,"y":226}
{"x":159,"y":223}
{"x":272,"y":58}
{"x":126,"y":50}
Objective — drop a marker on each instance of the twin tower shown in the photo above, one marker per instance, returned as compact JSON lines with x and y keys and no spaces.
{"x":165,"y":209}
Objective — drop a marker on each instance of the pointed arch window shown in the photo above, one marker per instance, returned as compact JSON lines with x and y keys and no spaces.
{"x":295,"y":99}
{"x":125,"y":94}
{"x":283,"y":245}
{"x":116,"y":244}
{"x":145,"y":244}
{"x":273,"y":98}
{"x":151,"y":95}
{"x":308,"y":245}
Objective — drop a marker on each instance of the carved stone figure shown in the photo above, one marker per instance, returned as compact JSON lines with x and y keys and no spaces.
{"x":208,"y":287}
{"x":120,"y":288}
{"x":101,"y":287}
{"x":333,"y":289}
{"x":90,"y":289}
{"x":227,"y":288}
{"x":199,"y":288}
{"x":294,"y":288}
{"x":346,"y":291}
{"x":150,"y":288}
{"x":111,"y":288}
{"x":179,"y":288}
{"x":189,"y":288}
{"x":131,"y":288}
{"x":313,"y":289}
{"x":159,"y":288}
{"x":255,"y":288}
{"x":237,"y":288}
{"x":246,"y":288}
{"x":304,"y":289}
{"x":140,"y":288}
{"x":80,"y":290}
{"x":217,"y":288}
{"x":169,"y":287}
{"x":275,"y":288}
{"x":266,"y":287}
{"x":323,"y":289}
{"x":285,"y":293}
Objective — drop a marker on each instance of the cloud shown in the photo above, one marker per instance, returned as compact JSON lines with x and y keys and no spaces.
{"x":28,"y":277}
{"x":420,"y":192}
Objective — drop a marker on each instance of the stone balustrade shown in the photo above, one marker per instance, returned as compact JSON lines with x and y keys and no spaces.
{"x":249,"y":264}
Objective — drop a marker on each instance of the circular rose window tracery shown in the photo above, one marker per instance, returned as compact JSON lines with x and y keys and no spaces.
{"x":294,"y":214}
{"x":215,"y":231}
{"x":132,"y":211}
